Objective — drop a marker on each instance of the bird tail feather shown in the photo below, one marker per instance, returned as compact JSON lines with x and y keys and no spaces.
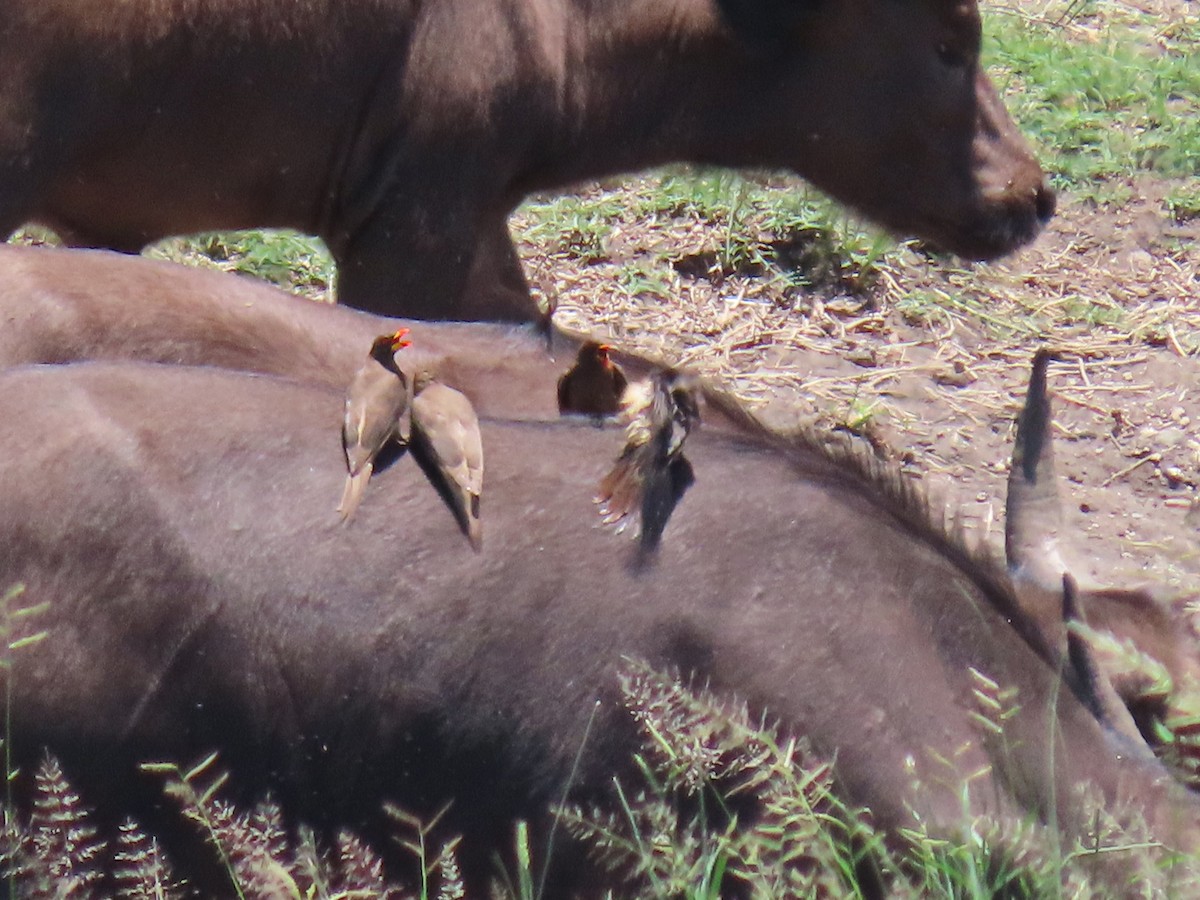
{"x":474,"y":525}
{"x":620,"y":490}
{"x":352,"y":493}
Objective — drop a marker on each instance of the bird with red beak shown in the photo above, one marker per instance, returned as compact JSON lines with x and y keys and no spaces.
{"x":375,"y":404}
{"x":594,"y":385}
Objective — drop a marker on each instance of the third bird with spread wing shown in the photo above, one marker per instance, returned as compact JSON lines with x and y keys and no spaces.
{"x":651,"y":474}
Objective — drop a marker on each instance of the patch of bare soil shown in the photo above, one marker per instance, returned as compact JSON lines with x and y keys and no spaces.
{"x":931,"y":368}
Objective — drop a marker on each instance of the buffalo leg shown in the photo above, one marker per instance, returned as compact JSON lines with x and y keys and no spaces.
{"x":15,"y":191}
{"x":496,"y":287}
{"x":394,"y":266}
{"x":88,"y":240}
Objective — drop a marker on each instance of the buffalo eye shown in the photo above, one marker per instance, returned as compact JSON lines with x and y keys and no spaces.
{"x":952,"y":56}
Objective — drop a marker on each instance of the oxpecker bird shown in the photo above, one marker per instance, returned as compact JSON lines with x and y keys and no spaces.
{"x":375,"y":404}
{"x":594,"y":385}
{"x":447,"y":442}
{"x":651,"y":474}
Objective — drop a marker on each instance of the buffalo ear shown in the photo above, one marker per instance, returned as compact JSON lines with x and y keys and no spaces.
{"x":765,"y":24}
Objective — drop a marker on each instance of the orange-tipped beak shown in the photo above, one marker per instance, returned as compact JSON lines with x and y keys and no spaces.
{"x":398,"y":341}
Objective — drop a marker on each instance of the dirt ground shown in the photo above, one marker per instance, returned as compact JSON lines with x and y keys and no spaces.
{"x":938,"y":390}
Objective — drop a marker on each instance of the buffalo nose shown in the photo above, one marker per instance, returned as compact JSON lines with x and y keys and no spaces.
{"x":1045,"y":199}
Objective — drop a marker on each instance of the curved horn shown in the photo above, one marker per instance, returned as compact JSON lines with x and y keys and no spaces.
{"x":1033,"y":517}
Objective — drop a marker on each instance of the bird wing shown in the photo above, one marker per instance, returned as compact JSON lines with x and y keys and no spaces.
{"x":447,"y":420}
{"x":374,"y":405}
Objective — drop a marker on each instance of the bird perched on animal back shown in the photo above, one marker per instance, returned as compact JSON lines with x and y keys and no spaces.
{"x":594,"y":385}
{"x":375,"y":404}
{"x":445,"y":435}
{"x":651,"y":474}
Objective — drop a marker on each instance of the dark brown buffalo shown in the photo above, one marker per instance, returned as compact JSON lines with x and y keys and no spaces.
{"x":202,"y":594}
{"x":403,"y":133}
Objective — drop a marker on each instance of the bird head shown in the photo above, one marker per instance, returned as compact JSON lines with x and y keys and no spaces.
{"x":384,"y":347}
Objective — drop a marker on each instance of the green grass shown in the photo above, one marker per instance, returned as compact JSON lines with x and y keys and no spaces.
{"x":294,"y":261}
{"x":751,"y":225}
{"x":723,"y":804}
{"x":574,"y":226}
{"x":1183,"y":199}
{"x":1111,"y":104}
{"x":1092,"y":311}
